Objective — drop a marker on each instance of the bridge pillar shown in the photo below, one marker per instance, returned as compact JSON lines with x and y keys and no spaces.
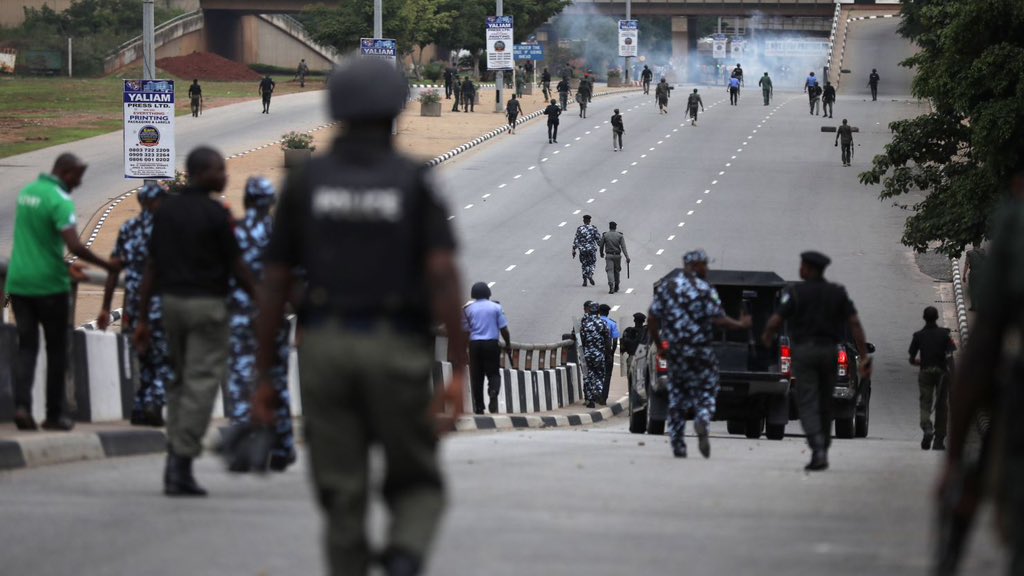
{"x":223,"y":30}
{"x":681,"y":48}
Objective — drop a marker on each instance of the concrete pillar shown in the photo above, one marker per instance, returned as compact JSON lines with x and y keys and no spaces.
{"x":224,"y":33}
{"x":681,"y":48}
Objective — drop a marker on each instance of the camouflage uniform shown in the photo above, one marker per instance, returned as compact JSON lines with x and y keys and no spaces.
{"x":685,"y":306}
{"x":586,"y":241}
{"x":595,"y":336}
{"x":132,"y":248}
{"x":253,"y":235}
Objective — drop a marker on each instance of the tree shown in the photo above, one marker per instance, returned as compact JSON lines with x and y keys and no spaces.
{"x":962,"y":154}
{"x":422,"y":22}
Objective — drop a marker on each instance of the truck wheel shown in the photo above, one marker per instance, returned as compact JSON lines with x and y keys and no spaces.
{"x":638,"y":421}
{"x":754,"y":427}
{"x":656,"y":427}
{"x":736,"y":426}
{"x":775,"y":431}
{"x":844,"y":428}
{"x":861,"y":422}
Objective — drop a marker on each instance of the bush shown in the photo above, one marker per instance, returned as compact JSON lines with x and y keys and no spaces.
{"x":297,"y":141}
{"x":430,"y":96}
{"x":614,"y":73}
{"x":433,"y":71}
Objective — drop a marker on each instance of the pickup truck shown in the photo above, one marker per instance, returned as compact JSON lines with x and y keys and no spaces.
{"x":757,"y":394}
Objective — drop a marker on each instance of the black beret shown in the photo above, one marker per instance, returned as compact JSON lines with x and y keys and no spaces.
{"x":816,"y":259}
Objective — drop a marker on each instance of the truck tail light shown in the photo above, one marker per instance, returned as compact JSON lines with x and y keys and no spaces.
{"x":786,"y":360}
{"x":662,"y":361}
{"x":844,"y":363}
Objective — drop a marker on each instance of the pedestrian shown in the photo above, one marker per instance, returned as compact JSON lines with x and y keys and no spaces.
{"x":766,"y":88}
{"x":581,"y":99}
{"x":266,"y":91}
{"x":845,"y":134}
{"x":520,"y":82}
{"x":368,"y":230}
{"x":512,"y":110}
{"x":734,"y":91}
{"x":646,"y":76}
{"x":468,"y":95}
{"x":818,"y":314}
{"x":609,"y":361}
{"x":618,"y":128}
{"x":553,"y":111}
{"x":563,"y":92}
{"x":811,"y":88}
{"x":528,"y":69}
{"x":589,"y":81}
{"x":449,"y":82}
{"x":828,"y":98}
{"x":684,"y":311}
{"x":873,"y":83}
{"x":253,"y":235}
{"x":586,"y":243}
{"x":302,"y":72}
{"x":975,"y":261}
{"x":935,"y":346}
{"x":661,"y":92}
{"x":195,"y":97}
{"x":457,"y":91}
{"x":545,"y":82}
{"x":596,"y":341}
{"x":192,"y":256}
{"x":634,"y":335}
{"x":613,"y":248}
{"x":692,"y":101}
{"x":737,"y":73}
{"x":484,"y":320}
{"x":131,"y":252}
{"x":39,"y":285}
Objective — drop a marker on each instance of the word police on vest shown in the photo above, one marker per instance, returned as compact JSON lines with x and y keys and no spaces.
{"x":373,"y":204}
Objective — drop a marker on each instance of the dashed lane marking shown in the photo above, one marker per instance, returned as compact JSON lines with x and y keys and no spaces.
{"x":648,"y":267}
{"x":629,"y":290}
{"x":530,"y":251}
{"x":510,"y":268}
{"x":547,"y":237}
{"x":562,"y":224}
{"x":660,"y":252}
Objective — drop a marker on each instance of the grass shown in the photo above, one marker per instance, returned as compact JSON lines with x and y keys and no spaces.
{"x":37,"y":113}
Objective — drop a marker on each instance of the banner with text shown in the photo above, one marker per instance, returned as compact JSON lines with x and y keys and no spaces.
{"x":718,"y":46}
{"x":500,"y":47}
{"x":383,"y":48}
{"x":529,"y":51}
{"x":628,"y":31}
{"x":149,"y":129}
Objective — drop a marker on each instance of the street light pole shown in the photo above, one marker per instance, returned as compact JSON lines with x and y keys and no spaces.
{"x":499,"y":75}
{"x":378,"y":19}
{"x":148,"y":47}
{"x":629,"y":16}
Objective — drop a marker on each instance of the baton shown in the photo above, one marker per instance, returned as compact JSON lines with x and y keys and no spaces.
{"x":627,"y":269}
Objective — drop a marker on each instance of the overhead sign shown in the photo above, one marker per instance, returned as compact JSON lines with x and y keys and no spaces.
{"x":149,"y":129}
{"x":796,"y":48}
{"x":383,"y":48}
{"x":718,"y":45}
{"x":628,"y":32}
{"x":737,"y":48}
{"x":499,"y":43}
{"x":529,"y":51}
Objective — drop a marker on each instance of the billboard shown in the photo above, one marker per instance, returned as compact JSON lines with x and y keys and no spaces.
{"x":628,"y":32}
{"x":384,"y":48}
{"x":149,"y":129}
{"x":529,"y":51}
{"x":718,"y":46}
{"x":500,"y":46}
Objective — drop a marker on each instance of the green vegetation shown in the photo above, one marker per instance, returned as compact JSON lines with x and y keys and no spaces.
{"x":962,"y":154}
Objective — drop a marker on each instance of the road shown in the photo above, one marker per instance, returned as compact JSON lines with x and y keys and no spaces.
{"x":754,"y":186}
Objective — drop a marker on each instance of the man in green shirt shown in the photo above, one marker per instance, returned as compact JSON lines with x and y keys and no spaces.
{"x":39,"y":284}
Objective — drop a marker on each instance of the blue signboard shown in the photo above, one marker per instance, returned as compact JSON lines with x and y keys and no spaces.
{"x":529,"y":51}
{"x":379,"y":48}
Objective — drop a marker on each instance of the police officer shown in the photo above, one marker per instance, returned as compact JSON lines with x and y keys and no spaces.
{"x":645,"y":77}
{"x":586,"y":243}
{"x":618,"y":128}
{"x":632,"y":336}
{"x":828,"y":98}
{"x":935,"y":346}
{"x":301,"y":72}
{"x":545,"y":83}
{"x":366,"y":226}
{"x":845,"y":134}
{"x":449,"y":82}
{"x":737,"y":73}
{"x":195,"y":97}
{"x":766,"y":87}
{"x":609,"y":362}
{"x":692,"y":101}
{"x":811,"y":88}
{"x":457,"y":91}
{"x":512,"y":111}
{"x":613,"y":248}
{"x":266,"y":90}
{"x":817,"y":312}
{"x":873,"y":83}
{"x":596,"y":340}
{"x":661,"y":92}
{"x":553,"y":111}
{"x":131,"y":251}
{"x":563,"y":92}
{"x":684,"y":310}
{"x":468,"y":95}
{"x":734,"y":91}
{"x":253,"y":235}
{"x":483,"y":320}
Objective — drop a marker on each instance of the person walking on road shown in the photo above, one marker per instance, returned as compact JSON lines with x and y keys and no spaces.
{"x":645,"y":77}
{"x":301,"y":72}
{"x":586,"y":243}
{"x":613,"y":248}
{"x":684,"y":311}
{"x":367,"y":228}
{"x":449,"y":82}
{"x":545,"y":83}
{"x":553,"y":111}
{"x":873,"y":83}
{"x":195,"y":98}
{"x":692,"y":102}
{"x":596,"y":340}
{"x":609,"y":361}
{"x":131,"y":252}
{"x":935,"y":346}
{"x":811,"y":88}
{"x":484,"y":320}
{"x":618,"y":128}
{"x":734,"y":91}
{"x":457,"y":91}
{"x":468,"y":95}
{"x":266,"y":90}
{"x":253,"y":235}
{"x":512,"y":110}
{"x":844,"y":134}
{"x":828,"y":98}
{"x":818,"y":313}
{"x":39,"y":285}
{"x":766,"y":88}
{"x":661,"y":93}
{"x":563,"y":93}
{"x":192,"y":256}
{"x":737,"y":73}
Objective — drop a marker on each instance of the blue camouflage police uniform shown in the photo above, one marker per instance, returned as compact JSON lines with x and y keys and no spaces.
{"x":587,"y":239}
{"x":685,"y":305}
{"x":132,"y":249}
{"x":253,"y":234}
{"x":595,"y":337}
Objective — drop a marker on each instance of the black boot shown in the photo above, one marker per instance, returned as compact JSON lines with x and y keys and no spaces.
{"x":703,"y":443}
{"x":679,"y":451}
{"x":401,"y":563}
{"x":819,"y":454}
{"x":926,"y":442}
{"x":939,"y":443}
{"x":178,"y":479}
{"x":492,"y":405}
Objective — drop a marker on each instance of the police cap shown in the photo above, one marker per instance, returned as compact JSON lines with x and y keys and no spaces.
{"x":150,"y":191}
{"x":815,"y":260}
{"x":366,"y":89}
{"x":695,"y":256}
{"x":639,"y":317}
{"x":259,"y":192}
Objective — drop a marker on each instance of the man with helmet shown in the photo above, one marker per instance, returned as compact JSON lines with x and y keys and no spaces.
{"x":367,"y":228}
{"x":253,"y":234}
{"x":131,"y":251}
{"x":484,"y":320}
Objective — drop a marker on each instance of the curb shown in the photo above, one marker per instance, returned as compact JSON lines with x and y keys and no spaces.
{"x":961,"y":306}
{"x":513,"y":421}
{"x":441,"y":86}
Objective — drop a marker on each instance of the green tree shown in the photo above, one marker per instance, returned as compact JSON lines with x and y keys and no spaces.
{"x":962,"y":154}
{"x":422,"y":22}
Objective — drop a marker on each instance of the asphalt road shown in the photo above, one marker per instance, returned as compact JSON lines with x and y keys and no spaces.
{"x":754,"y":186}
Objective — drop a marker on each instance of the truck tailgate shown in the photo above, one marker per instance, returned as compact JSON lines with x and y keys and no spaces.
{"x":741,"y":383}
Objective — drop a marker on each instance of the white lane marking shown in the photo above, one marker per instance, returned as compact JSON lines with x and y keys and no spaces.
{"x":733,"y":158}
{"x":543,"y":159}
{"x":588,"y":132}
{"x":681,"y":224}
{"x":700,"y":200}
{"x":451,"y":218}
{"x":713,"y":182}
{"x":502,"y":186}
{"x":629,"y":290}
{"x":531,"y":167}
{"x":530,"y":251}
{"x":754,"y":132}
{"x":568,"y":145}
{"x":562,"y":224}
{"x":660,"y":141}
{"x":590,"y":201}
{"x":675,"y":129}
{"x":722,"y":173}
{"x":468,"y":206}
{"x":652,"y":149}
{"x":510,"y":268}
{"x":707,"y":191}
{"x":486,"y":196}
{"x":491,"y":284}
{"x":546,"y":237}
{"x":625,"y":172}
{"x":660,"y":252}
{"x":643,"y":155}
{"x":672,"y":237}
{"x":605,"y":121}
{"x":668,"y":135}
{"x":596,"y":127}
{"x":517,"y":176}
{"x":689,"y":213}
{"x":744,"y":143}
{"x":615,"y":180}
{"x":578,"y":137}
{"x":739,"y":149}
{"x":602,"y":190}
{"x":728,"y":164}
{"x":633,"y":164}
{"x":576,"y":212}
{"x":615,"y":308}
{"x":648,"y":267}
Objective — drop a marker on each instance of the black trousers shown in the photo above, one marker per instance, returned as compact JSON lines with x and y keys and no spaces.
{"x":484,"y":356}
{"x":814,"y":367}
{"x":609,"y":364}
{"x":448,"y":90}
{"x":874,"y":91}
{"x":50,"y":312}
{"x":826,"y":108}
{"x":552,"y":131}
{"x":266,"y":102}
{"x":846,"y":149}
{"x":734,"y":96}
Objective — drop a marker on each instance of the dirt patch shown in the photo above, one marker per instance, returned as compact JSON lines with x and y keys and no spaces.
{"x":29,"y":127}
{"x":207,"y":66}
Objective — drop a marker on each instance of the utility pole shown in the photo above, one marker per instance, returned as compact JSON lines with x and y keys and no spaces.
{"x":148,"y":48}
{"x":499,"y":75}
{"x":629,"y":16}
{"x":69,"y":56}
{"x":378,"y":19}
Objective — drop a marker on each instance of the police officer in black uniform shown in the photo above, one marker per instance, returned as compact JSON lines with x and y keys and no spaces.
{"x":818,"y":312}
{"x":366,"y":226}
